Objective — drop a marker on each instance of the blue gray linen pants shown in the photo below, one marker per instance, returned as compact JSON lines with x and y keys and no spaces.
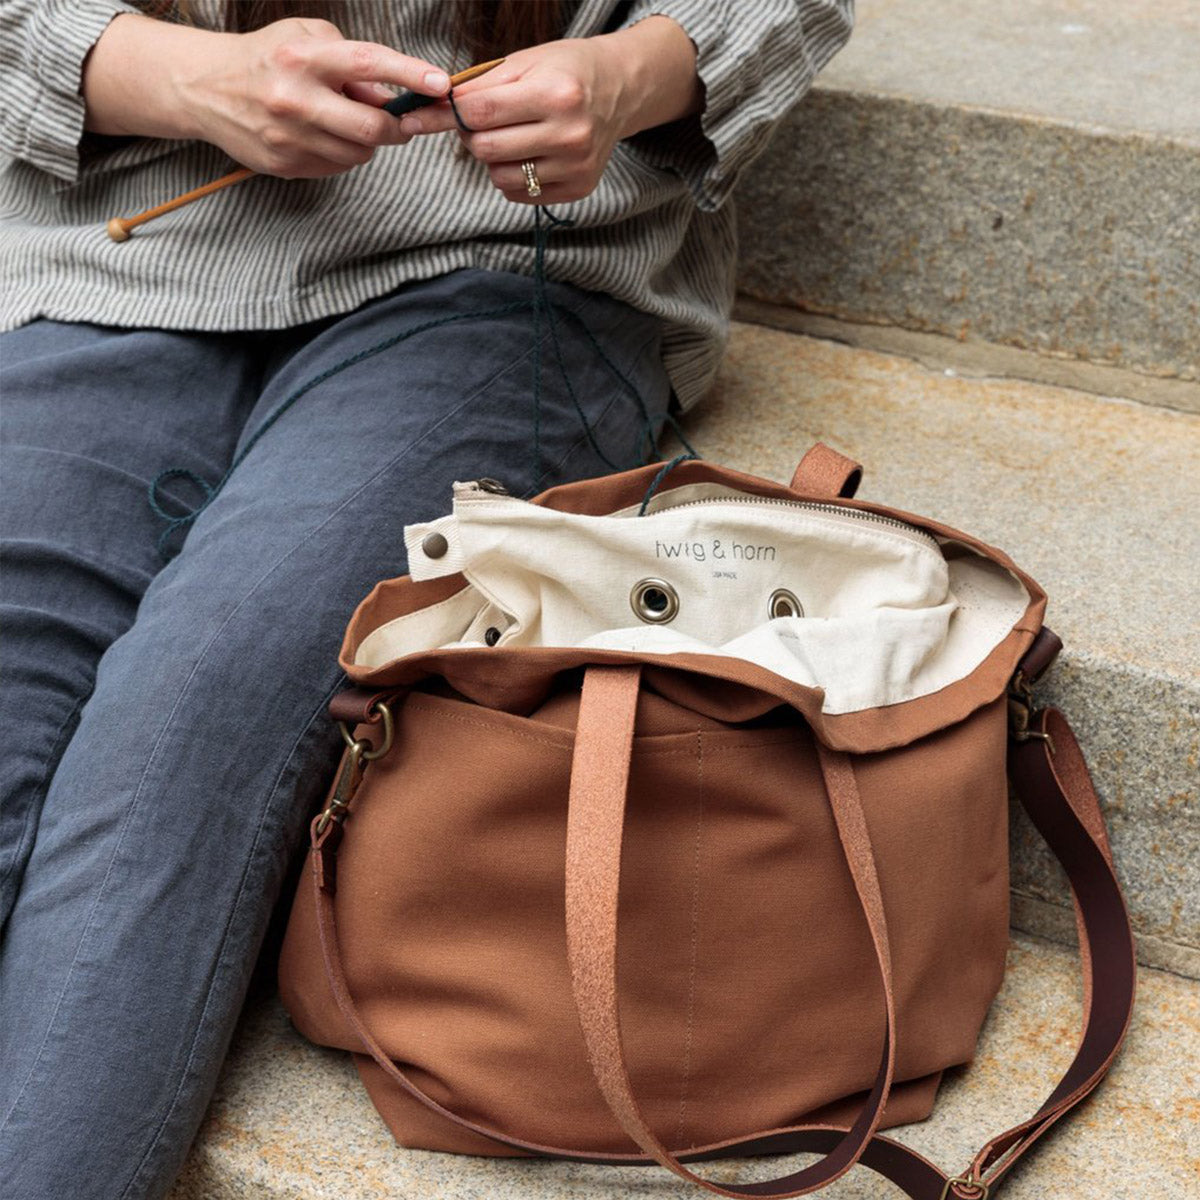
{"x":165,"y":737}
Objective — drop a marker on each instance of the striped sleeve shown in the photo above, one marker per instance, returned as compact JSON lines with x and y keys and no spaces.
{"x":755,"y":61}
{"x":42,"y":52}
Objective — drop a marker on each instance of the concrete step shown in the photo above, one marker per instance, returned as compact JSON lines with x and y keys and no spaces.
{"x":1025,"y":175}
{"x":291,"y":1121}
{"x":1096,"y":498}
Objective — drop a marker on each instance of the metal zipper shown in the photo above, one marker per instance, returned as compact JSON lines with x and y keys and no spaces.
{"x":489,"y":488}
{"x":891,"y":524}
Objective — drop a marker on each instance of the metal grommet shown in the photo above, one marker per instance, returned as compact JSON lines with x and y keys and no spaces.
{"x":435,"y":545}
{"x":491,"y":635}
{"x":654,"y":601}
{"x":784,"y":604}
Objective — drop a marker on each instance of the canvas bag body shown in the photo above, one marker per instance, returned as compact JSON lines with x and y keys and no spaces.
{"x":749,"y":995}
{"x":748,"y":992}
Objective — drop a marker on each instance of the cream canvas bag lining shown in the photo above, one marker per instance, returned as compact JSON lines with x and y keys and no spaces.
{"x":887,"y":618}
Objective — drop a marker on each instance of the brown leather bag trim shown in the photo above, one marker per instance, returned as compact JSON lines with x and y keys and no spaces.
{"x":356,"y":706}
{"x":519,"y":679}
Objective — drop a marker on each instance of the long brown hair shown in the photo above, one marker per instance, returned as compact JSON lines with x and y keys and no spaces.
{"x":485,"y":29}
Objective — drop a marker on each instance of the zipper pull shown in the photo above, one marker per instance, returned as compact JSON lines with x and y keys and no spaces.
{"x":477,"y":488}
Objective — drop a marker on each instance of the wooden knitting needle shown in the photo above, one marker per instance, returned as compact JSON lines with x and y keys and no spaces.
{"x":406,"y":102}
{"x":119,"y":227}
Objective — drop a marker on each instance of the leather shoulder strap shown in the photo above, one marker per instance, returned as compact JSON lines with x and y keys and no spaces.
{"x":1052,"y":783}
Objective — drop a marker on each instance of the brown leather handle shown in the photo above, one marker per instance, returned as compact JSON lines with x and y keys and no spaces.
{"x":595,"y":825}
{"x":1052,"y":783}
{"x":824,"y":472}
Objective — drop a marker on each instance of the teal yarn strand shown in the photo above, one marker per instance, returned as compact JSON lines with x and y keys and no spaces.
{"x":545,"y":315}
{"x":657,"y":481}
{"x":539,"y":308}
{"x":541,"y":232}
{"x":627,"y":385}
{"x":406,"y":102}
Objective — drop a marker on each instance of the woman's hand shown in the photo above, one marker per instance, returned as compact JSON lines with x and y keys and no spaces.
{"x":293,"y":98}
{"x":563,"y":106}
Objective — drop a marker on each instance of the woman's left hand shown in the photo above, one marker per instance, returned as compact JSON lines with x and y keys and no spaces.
{"x":564,"y":105}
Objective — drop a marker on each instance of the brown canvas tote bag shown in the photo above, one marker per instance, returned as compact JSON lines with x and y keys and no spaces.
{"x":673,"y":828}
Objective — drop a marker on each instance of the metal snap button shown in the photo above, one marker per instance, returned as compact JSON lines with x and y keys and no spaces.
{"x":435,"y":545}
{"x":784,"y":604}
{"x":491,"y":635}
{"x":654,"y":601}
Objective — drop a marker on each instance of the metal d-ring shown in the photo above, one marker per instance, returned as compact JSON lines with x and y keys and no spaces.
{"x":976,"y":1188}
{"x":363,"y":748}
{"x":1021,"y":713}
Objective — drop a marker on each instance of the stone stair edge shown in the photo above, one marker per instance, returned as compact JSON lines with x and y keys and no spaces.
{"x":1055,"y":922}
{"x":826,"y":88}
{"x":1119,"y":66}
{"x":975,"y":358}
{"x":1186,"y":679}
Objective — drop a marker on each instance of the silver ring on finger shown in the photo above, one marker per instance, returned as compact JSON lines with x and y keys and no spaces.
{"x":533,"y":185}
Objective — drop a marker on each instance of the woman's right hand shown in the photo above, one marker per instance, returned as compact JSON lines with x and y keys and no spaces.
{"x":294,"y":98}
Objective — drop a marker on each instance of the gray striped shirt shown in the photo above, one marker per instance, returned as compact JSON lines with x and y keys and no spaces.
{"x":658,"y":232}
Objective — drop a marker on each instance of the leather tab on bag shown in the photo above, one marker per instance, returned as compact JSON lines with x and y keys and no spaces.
{"x":356,"y":706}
{"x":1037,"y":660}
{"x":825,"y":472}
{"x":324,"y":855}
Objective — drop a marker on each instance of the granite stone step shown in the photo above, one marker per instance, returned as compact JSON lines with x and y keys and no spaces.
{"x":291,"y":1121}
{"x":1024,"y":175}
{"x":1096,"y":498}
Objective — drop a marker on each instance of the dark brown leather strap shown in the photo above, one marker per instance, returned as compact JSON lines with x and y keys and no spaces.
{"x":1053,"y":784}
{"x":1036,"y":661}
{"x":1051,"y":779}
{"x":595,"y":824}
{"x":356,"y":706}
{"x":824,"y":472}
